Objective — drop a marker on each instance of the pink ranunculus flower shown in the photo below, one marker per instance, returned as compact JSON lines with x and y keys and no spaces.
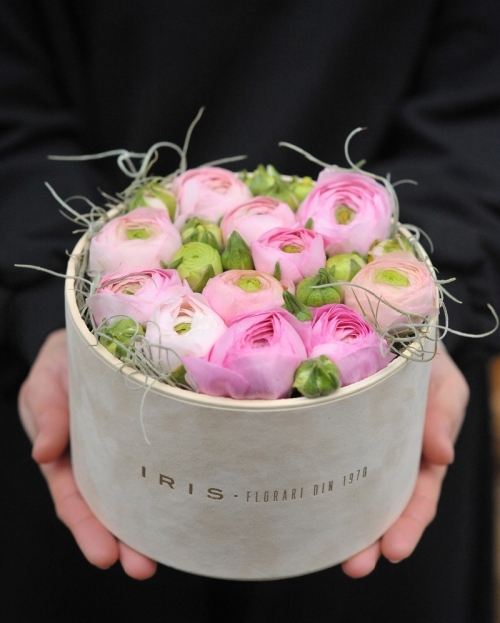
{"x":181,"y":326}
{"x":207,"y":192}
{"x":134,"y":294}
{"x":256,"y":217}
{"x":300,"y":252}
{"x":236,"y":292}
{"x":136,"y":241}
{"x":400,"y":279}
{"x":351,"y":210}
{"x":256,"y":358}
{"x":344,"y":336}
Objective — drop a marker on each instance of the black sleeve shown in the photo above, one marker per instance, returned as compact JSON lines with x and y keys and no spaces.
{"x":446,"y":136}
{"x":37,"y":118}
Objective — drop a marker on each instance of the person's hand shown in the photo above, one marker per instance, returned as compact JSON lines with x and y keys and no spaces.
{"x":446,"y":404}
{"x":43,"y":407}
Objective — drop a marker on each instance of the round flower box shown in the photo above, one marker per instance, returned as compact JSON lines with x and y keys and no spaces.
{"x":250,"y":489}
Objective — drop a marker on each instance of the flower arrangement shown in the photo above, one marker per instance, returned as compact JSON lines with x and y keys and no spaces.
{"x":256,"y":285}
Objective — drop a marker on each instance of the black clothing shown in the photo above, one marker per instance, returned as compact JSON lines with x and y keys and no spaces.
{"x":423,"y":77}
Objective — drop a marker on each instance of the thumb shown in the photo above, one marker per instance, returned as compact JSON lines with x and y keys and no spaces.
{"x":43,"y":400}
{"x":446,"y":404}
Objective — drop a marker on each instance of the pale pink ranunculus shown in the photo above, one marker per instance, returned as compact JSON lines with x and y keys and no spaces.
{"x":400,"y":279}
{"x":351,"y":210}
{"x":344,"y":336}
{"x":134,"y":294}
{"x":236,"y":292}
{"x":300,"y":252}
{"x":256,"y":217}
{"x":182,"y":326}
{"x":256,"y":358}
{"x":207,"y":192}
{"x":138,"y":240}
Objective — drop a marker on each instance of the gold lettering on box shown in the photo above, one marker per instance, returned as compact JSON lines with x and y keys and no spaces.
{"x":215,"y":494}
{"x":267,"y":495}
{"x":359,"y":474}
{"x":166,"y":480}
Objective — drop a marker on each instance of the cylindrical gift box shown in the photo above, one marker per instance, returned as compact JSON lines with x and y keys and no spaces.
{"x":250,"y":489}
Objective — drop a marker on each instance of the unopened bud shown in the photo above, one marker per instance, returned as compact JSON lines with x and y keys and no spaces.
{"x":196,"y":262}
{"x":344,"y":266}
{"x":261,"y":182}
{"x":317,"y":376}
{"x":178,"y":377}
{"x":301,"y":187}
{"x":237,"y":255}
{"x":201,"y":230}
{"x":120,"y":335}
{"x":266,"y":181}
{"x":382,"y":247}
{"x":311,"y":295}
{"x":296,"y":307}
{"x":153,"y":194}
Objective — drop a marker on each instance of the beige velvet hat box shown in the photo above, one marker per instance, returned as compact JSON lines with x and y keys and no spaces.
{"x":247,"y":490}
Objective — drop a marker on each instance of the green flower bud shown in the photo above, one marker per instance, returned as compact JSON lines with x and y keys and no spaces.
{"x":317,"y":376}
{"x":266,"y":181}
{"x":237,"y":255}
{"x":344,"y":266}
{"x":312,"y":296}
{"x":381,"y":247}
{"x":207,"y":273}
{"x":296,"y":307}
{"x":120,"y":336}
{"x":285,"y":195}
{"x":261,"y":182}
{"x":150,"y":193}
{"x":196,"y":262}
{"x":178,"y":377}
{"x":201,"y":230}
{"x":301,"y":187}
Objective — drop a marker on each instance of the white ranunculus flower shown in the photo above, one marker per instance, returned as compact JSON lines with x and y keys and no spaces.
{"x":182,"y":326}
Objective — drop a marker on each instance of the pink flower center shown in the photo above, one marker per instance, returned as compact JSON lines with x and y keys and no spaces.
{"x":344,"y":214}
{"x":391,"y":277}
{"x":249,"y":284}
{"x":134,"y":232}
{"x":291,"y":248}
